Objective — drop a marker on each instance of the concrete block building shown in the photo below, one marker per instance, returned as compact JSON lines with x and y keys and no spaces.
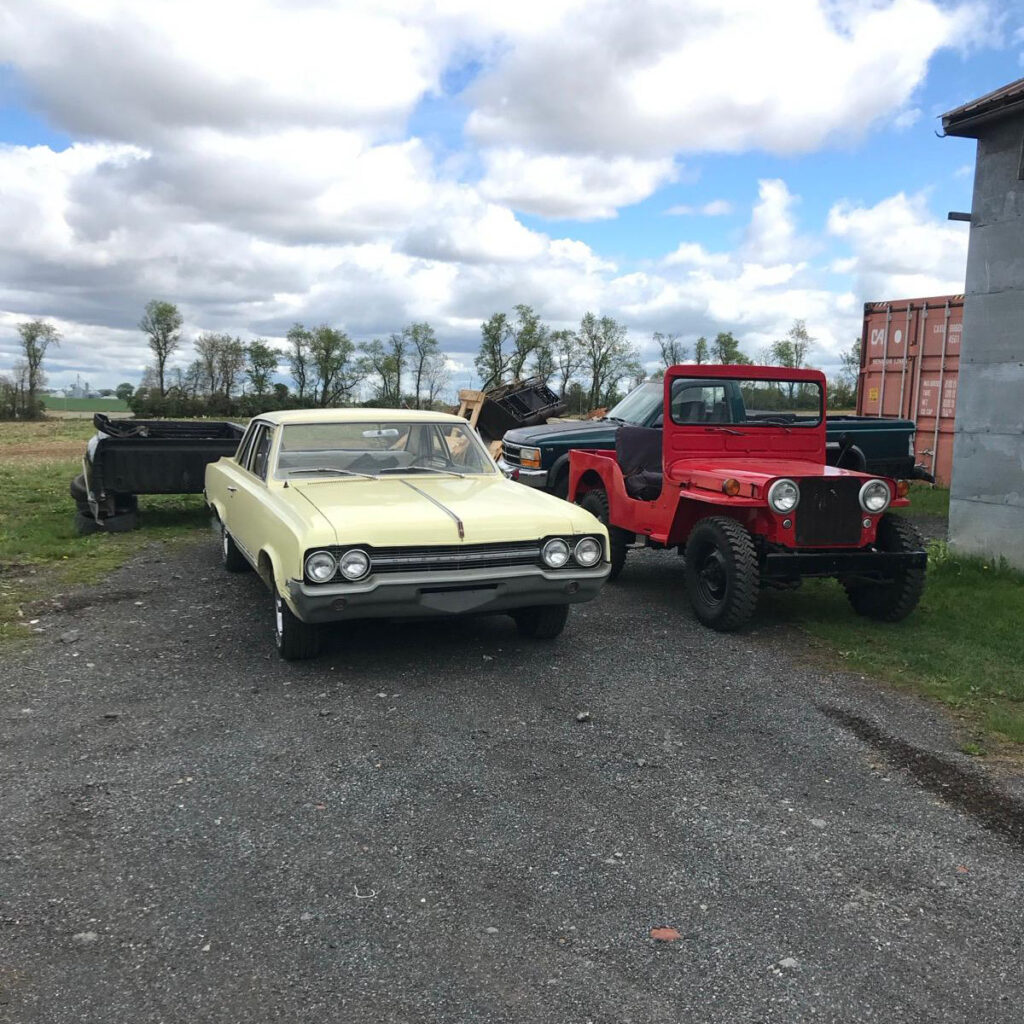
{"x":986,"y":514}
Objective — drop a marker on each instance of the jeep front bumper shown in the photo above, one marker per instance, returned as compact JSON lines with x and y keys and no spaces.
{"x":877,"y":565}
{"x":430,"y":594}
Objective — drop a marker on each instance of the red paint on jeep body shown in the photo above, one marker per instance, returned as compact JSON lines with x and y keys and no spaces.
{"x":698,"y":458}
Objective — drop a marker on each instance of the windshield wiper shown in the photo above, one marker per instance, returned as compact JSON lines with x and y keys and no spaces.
{"x":727,"y":430}
{"x":331,"y":469}
{"x":422,"y":469}
{"x":614,"y":419}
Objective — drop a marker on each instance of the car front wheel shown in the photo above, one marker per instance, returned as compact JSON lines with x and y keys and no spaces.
{"x":296,"y":640}
{"x":543,"y":622}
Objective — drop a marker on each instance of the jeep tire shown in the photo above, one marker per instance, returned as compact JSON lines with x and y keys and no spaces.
{"x":895,"y":600}
{"x":596,"y":503}
{"x":722,"y":573}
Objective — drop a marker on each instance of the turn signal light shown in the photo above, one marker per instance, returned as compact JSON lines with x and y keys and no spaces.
{"x":731,"y":486}
{"x":902,"y":488}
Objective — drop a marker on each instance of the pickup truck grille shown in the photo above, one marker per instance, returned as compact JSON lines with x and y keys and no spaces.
{"x":511,"y":453}
{"x":829,"y":511}
{"x":448,"y":557}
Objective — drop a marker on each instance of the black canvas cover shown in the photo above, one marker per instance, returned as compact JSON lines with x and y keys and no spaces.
{"x":638,"y":453}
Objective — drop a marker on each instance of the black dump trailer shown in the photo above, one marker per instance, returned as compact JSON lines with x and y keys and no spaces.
{"x":126,"y":458}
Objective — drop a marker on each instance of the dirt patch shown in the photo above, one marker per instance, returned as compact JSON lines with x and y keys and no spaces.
{"x":948,"y":780}
{"x":50,"y":450}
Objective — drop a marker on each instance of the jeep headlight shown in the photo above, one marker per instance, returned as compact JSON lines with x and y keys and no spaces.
{"x":875,"y":496}
{"x":354,"y":564}
{"x":783,"y":496}
{"x":321,"y":566}
{"x":588,"y":552}
{"x":555,"y":553}
{"x":529,"y":457}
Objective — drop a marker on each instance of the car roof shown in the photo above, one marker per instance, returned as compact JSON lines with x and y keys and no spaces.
{"x":286,"y":416}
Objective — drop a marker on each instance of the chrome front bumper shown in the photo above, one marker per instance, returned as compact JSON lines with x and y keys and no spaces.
{"x":430,"y":594}
{"x":530,"y":477}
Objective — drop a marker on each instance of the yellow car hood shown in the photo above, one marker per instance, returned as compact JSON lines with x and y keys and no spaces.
{"x":422,"y":509}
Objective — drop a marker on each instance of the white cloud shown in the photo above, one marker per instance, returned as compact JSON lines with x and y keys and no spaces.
{"x":714,"y":208}
{"x":771,"y":236}
{"x":711,"y":75}
{"x":900,"y":249}
{"x":582,"y":187}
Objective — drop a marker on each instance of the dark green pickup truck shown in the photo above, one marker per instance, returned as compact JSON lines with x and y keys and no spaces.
{"x":539,"y":456}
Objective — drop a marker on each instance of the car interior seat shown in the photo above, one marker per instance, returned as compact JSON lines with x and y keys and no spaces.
{"x":638,"y":451}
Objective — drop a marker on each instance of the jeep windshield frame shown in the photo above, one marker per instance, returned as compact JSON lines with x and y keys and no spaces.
{"x":734,"y":404}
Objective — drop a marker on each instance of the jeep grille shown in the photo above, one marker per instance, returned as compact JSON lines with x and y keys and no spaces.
{"x":829,"y":511}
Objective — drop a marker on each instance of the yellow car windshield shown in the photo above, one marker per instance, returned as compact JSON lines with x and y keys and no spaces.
{"x":380,"y":448}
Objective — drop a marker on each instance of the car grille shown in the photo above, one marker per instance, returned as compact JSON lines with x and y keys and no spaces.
{"x":448,"y":557}
{"x":511,"y":453}
{"x":829,"y":511}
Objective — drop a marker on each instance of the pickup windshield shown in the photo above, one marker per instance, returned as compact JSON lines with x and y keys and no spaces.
{"x":750,"y":402}
{"x":640,"y":406}
{"x":366,"y":449}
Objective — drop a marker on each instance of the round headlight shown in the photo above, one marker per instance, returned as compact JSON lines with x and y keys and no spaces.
{"x":354,"y":564}
{"x":784,"y":496}
{"x":321,"y":566}
{"x":588,"y":552}
{"x":875,"y":496}
{"x":555,"y":553}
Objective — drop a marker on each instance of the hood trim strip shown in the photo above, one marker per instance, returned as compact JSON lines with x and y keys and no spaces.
{"x":443,"y":508}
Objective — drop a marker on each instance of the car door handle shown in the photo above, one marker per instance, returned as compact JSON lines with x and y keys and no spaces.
{"x":232,"y":489}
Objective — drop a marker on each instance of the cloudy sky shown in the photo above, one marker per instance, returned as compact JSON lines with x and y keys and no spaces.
{"x":686,"y":166}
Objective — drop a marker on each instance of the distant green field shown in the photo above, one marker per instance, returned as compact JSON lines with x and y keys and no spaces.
{"x":54,"y":403}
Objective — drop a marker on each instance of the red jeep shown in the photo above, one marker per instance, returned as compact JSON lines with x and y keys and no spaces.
{"x":736,"y":480}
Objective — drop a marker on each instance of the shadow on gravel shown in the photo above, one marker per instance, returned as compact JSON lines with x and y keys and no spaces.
{"x":951,"y":782}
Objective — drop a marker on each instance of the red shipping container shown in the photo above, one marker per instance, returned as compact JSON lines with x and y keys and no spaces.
{"x":909,"y":367}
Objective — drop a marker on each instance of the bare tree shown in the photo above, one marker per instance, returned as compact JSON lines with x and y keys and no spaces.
{"x":36,"y":338}
{"x":424,"y":352}
{"x":568,"y":358}
{"x":162,"y":323}
{"x":673,"y":351}
{"x":299,"y":359}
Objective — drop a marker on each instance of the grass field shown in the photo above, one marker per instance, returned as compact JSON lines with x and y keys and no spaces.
{"x":56,"y":404}
{"x":40,"y":553}
{"x":963,"y":645}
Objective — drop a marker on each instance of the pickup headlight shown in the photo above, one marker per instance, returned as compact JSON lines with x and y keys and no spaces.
{"x":321,"y":566}
{"x":783,"y":496}
{"x":555,"y":553}
{"x":354,"y":564}
{"x":529,"y":457}
{"x":875,"y":496}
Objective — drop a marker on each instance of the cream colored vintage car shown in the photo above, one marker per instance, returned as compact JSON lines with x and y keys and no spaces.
{"x":357,"y":513}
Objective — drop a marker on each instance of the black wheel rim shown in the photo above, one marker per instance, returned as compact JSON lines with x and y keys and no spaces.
{"x":712,"y":576}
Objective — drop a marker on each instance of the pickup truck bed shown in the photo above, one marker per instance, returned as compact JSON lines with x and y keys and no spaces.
{"x":126,"y":458}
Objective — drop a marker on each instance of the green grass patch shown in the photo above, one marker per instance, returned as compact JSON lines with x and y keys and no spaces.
{"x":56,"y":403}
{"x":40,"y":552}
{"x":963,"y":645}
{"x":926,"y":500}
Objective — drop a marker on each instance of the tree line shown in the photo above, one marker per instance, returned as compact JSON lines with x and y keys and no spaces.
{"x":589,"y":367}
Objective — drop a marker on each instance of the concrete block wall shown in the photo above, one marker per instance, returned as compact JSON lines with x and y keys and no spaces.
{"x":986,"y":510}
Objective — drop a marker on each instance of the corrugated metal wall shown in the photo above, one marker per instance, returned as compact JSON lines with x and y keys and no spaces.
{"x":909,"y":368}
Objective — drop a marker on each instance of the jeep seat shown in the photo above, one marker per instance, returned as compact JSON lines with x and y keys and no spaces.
{"x":638,"y":453}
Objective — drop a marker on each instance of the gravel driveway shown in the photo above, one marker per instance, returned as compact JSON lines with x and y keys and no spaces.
{"x":446,"y":823}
